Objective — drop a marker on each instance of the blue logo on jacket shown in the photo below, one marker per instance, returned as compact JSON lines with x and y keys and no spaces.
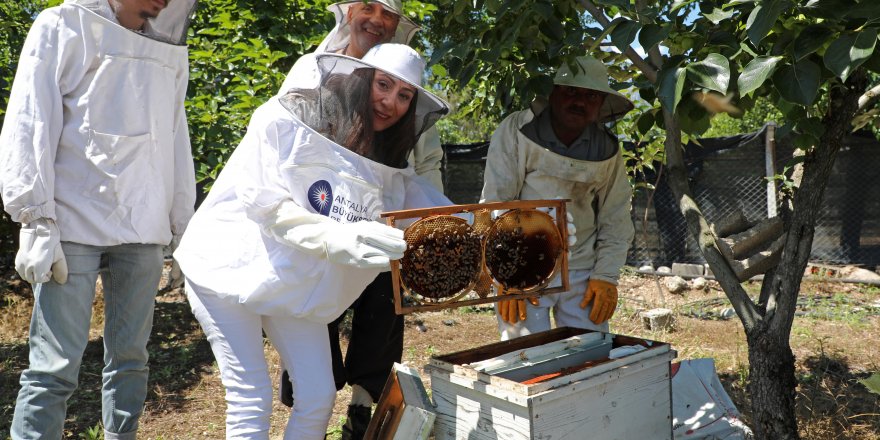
{"x":321,"y":197}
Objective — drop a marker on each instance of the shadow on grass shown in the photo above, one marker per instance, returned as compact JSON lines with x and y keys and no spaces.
{"x":179,"y":354}
{"x":831,"y":403}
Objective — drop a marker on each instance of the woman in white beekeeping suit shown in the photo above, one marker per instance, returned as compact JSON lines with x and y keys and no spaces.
{"x":288,"y":236}
{"x":561,"y":148}
{"x":96,"y":164}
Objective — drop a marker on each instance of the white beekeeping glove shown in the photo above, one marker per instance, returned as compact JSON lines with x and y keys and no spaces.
{"x":39,"y":254}
{"x":365,"y":244}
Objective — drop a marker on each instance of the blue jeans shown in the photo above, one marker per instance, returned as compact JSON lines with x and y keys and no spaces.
{"x":59,"y":334}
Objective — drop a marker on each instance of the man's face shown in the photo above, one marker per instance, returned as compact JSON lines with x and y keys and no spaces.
{"x":371,"y":24}
{"x":133,"y":13}
{"x":574,"y":108}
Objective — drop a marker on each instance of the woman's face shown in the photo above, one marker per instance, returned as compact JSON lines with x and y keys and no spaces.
{"x":391,"y":98}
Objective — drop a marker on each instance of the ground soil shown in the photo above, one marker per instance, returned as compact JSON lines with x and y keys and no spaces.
{"x":834,"y":338}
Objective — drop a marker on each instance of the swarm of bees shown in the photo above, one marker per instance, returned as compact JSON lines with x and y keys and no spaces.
{"x":443,"y":259}
{"x":446,"y":256}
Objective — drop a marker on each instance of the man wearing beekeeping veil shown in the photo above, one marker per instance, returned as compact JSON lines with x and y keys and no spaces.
{"x":376,"y":340}
{"x":290,"y":234}
{"x":95,"y":164}
{"x":561,"y":148}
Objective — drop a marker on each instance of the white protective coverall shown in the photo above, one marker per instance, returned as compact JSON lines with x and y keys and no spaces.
{"x":227,"y":252}
{"x":68,"y":153}
{"x":95,"y":147}
{"x":427,"y":156}
{"x":242,"y":280}
{"x":517,"y":168}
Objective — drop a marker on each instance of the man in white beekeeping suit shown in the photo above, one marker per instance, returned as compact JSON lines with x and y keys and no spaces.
{"x":376,"y":340}
{"x":95,"y":164}
{"x":561,"y":148}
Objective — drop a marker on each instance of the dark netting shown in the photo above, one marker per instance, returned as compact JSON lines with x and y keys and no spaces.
{"x":728,"y":174}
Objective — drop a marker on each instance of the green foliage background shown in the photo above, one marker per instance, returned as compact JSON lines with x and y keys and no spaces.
{"x":240,"y":51}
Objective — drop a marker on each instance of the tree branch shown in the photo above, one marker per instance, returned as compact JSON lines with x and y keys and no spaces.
{"x":647,"y":69}
{"x":700,"y":229}
{"x":869,"y":97}
{"x":809,"y":196}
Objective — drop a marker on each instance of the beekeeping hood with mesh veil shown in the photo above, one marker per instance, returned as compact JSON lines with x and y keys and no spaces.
{"x":398,"y":60}
{"x":285,"y":157}
{"x":95,"y":134}
{"x":170,"y":26}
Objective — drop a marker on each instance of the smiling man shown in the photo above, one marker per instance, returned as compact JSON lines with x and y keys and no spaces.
{"x":95,"y":163}
{"x":564,"y":150}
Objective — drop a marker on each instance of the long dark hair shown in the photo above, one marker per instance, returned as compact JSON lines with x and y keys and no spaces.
{"x":353,"y":128}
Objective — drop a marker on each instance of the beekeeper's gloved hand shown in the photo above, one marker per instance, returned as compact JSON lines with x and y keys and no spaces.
{"x":175,"y":276}
{"x":364,"y":244}
{"x":603,"y":295}
{"x":39,"y":254}
{"x":514,"y":310}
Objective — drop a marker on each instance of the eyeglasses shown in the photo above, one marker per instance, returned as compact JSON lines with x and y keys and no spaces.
{"x":579,"y":93}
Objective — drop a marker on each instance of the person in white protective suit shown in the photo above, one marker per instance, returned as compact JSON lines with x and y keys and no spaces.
{"x":288,"y":236}
{"x":376,"y":337}
{"x":95,"y":164}
{"x":560,"y":148}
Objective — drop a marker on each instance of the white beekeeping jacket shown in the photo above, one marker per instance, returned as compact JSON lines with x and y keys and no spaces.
{"x":226,"y":252}
{"x":518,"y":168}
{"x":95,"y":135}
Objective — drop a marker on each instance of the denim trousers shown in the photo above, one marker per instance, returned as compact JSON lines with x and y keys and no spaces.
{"x":59,"y":333}
{"x":566,"y":308}
{"x":236,"y":337}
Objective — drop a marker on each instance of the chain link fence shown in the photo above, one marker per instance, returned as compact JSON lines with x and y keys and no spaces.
{"x":728,"y":175}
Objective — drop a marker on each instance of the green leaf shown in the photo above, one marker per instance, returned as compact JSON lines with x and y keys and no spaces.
{"x":810,"y":39}
{"x":842,"y":9}
{"x":645,"y":122}
{"x":652,"y":34}
{"x":755,"y":73}
{"x":762,"y":19}
{"x":873,"y":63}
{"x":670,"y":85}
{"x":798,"y":83}
{"x":553,"y":28}
{"x":712,"y":73}
{"x":717,"y":15}
{"x":849,"y":51}
{"x":625,"y":33}
{"x":872,"y":383}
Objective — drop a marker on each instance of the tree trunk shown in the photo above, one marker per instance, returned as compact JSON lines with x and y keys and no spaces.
{"x":771,"y":386}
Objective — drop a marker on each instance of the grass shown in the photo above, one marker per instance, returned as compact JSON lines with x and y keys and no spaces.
{"x":833,"y":337}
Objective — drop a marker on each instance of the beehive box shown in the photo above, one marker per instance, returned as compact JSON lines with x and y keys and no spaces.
{"x":575,"y":391}
{"x":404,"y":411}
{"x":480,"y":224}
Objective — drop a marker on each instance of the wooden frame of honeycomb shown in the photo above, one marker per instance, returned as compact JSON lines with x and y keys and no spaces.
{"x":405,"y":301}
